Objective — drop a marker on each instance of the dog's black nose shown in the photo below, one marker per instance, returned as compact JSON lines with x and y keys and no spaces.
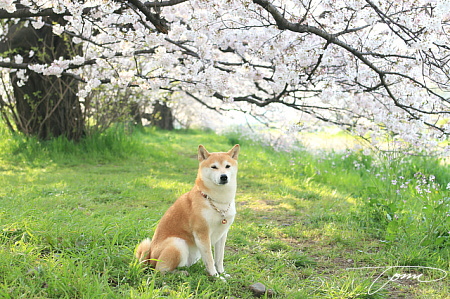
{"x":223,"y":178}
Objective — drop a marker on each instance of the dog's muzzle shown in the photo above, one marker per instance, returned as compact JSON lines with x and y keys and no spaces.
{"x":223,"y":179}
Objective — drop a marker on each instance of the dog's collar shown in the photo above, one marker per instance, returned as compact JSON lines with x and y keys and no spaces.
{"x":221,"y":212}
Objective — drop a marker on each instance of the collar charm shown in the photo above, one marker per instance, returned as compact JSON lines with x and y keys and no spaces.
{"x":221,"y":212}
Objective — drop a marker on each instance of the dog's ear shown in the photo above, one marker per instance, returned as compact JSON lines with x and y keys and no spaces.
{"x":234,"y":152}
{"x":203,"y":154}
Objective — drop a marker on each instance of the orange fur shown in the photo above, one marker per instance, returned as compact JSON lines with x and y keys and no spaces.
{"x":192,"y":225}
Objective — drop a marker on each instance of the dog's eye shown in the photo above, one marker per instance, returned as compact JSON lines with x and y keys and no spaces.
{"x":214,"y":167}
{"x":228,"y":166}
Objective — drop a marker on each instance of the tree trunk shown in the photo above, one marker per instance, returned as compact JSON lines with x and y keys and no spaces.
{"x":136,"y":114}
{"x":161,"y":116}
{"x":46,"y":106}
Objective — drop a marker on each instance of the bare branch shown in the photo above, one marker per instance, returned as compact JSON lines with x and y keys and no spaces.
{"x":202,"y":102}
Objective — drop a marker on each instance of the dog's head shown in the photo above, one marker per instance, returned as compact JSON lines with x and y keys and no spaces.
{"x":218,"y":168}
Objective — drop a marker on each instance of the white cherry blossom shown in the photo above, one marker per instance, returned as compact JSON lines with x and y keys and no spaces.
{"x":373,"y":65}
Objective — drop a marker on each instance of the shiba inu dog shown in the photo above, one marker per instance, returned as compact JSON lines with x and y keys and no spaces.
{"x":198,"y":220}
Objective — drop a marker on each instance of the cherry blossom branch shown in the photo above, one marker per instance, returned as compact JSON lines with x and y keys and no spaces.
{"x":308,"y":109}
{"x":390,"y":22}
{"x":163,"y":3}
{"x":22,"y":66}
{"x":159,"y":23}
{"x":27,"y":12}
{"x":202,"y":102}
{"x":154,"y":18}
{"x":283,"y":24}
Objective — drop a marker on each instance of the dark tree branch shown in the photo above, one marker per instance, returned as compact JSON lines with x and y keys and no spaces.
{"x":202,"y":102}
{"x":283,"y":24}
{"x":157,"y":21}
{"x":319,"y":61}
{"x":27,"y":12}
{"x":412,"y":36}
{"x":163,"y":3}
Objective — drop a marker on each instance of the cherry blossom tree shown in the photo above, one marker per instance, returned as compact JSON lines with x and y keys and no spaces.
{"x":373,"y":67}
{"x":45,"y":106}
{"x":386,"y":62}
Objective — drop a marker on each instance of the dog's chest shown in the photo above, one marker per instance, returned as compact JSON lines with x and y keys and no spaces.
{"x":218,"y":220}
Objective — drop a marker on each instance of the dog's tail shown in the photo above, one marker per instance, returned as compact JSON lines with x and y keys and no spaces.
{"x":143,"y":251}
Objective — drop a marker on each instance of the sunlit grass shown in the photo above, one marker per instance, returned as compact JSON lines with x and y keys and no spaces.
{"x":71,"y":216}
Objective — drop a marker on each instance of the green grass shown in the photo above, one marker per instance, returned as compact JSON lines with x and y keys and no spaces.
{"x":71,"y":216}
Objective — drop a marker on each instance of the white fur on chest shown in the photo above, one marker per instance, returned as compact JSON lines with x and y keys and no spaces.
{"x":214,"y":220}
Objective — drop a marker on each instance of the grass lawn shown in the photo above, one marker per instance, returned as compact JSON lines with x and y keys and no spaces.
{"x":334,"y":226}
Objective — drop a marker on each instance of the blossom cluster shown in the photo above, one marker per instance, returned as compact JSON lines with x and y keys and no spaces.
{"x":230,"y":53}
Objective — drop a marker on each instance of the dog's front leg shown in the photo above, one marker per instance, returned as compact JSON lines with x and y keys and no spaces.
{"x":203,"y":243}
{"x":219,"y":251}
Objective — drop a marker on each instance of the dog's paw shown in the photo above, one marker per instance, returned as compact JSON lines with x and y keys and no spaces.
{"x":224,"y":276}
{"x":217,"y":276}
